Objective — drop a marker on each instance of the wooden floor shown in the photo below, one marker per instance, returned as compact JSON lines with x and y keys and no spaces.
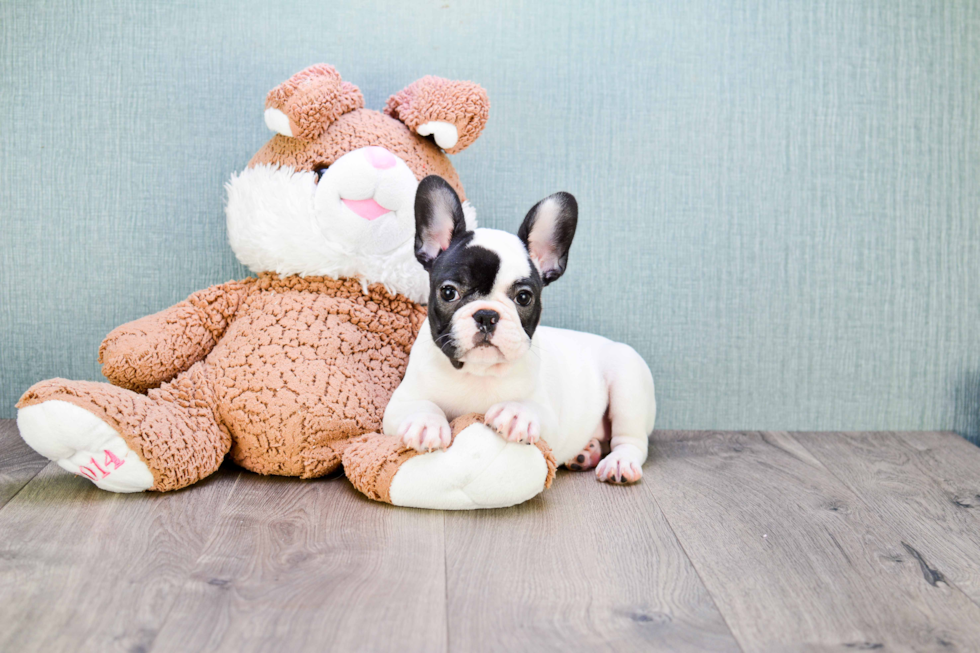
{"x":737,"y":541}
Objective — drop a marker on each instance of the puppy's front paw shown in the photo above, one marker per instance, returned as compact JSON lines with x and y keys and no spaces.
{"x":514,"y":421}
{"x":620,"y":467}
{"x":425,"y":432}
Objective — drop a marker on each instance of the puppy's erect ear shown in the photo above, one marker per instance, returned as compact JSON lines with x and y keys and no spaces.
{"x":439,"y":219}
{"x":453,"y":113}
{"x":306,"y":103}
{"x":547,"y":231}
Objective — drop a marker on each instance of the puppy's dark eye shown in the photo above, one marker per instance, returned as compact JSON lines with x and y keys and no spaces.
{"x":448,"y":294}
{"x":318,"y":171}
{"x":524,"y":297}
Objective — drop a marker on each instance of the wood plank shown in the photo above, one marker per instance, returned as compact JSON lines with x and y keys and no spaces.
{"x":793,"y":558}
{"x":953,"y":462}
{"x":583,"y":567}
{"x":86,"y":570}
{"x":18,"y":462}
{"x":926,"y":485}
{"x":311,"y":566}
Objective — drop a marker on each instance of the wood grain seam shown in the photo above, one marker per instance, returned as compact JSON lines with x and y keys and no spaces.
{"x":697,"y":572}
{"x":26,"y":483}
{"x":186,"y":580}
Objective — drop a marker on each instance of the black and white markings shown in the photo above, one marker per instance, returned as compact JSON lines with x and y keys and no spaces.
{"x":488,"y":270}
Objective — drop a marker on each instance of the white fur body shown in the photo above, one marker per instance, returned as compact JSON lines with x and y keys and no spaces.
{"x":568,"y":379}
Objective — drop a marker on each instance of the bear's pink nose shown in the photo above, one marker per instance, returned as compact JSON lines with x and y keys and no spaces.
{"x":379,"y":157}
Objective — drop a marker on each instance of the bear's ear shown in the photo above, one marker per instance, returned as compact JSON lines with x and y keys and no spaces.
{"x":306,"y":103}
{"x":453,"y":113}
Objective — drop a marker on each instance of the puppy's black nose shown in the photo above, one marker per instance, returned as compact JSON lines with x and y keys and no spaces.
{"x":486,"y":320}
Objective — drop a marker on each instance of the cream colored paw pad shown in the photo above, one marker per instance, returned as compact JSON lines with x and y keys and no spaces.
{"x":83,"y":444}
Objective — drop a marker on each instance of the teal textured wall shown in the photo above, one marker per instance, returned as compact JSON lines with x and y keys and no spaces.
{"x":780,"y":200}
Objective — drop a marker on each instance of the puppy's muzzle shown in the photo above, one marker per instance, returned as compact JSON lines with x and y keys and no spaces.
{"x":486,"y":321}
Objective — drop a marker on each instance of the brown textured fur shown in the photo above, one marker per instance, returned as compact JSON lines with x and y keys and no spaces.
{"x":463,"y":104}
{"x":329,"y":119}
{"x":360,"y":128}
{"x":300,"y":366}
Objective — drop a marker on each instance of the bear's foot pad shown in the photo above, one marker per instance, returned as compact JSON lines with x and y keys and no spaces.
{"x":83,"y":444}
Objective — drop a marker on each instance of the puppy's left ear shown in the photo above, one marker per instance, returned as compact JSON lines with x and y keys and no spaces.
{"x":547,"y":231}
{"x":439,"y":219}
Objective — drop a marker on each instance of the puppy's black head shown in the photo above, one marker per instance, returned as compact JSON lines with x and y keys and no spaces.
{"x":485,"y":285}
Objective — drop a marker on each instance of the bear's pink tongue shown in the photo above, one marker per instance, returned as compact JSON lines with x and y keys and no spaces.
{"x":367,"y":209}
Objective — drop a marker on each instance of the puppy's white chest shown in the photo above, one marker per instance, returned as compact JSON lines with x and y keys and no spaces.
{"x":466,"y":393}
{"x":459,"y":392}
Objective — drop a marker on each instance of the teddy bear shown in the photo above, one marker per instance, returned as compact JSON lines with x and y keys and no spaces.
{"x":288,"y":372}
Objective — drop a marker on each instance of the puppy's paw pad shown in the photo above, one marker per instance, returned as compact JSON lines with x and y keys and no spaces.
{"x":514,"y":421}
{"x":425,"y":432}
{"x":587,"y":458}
{"x":619,"y":469}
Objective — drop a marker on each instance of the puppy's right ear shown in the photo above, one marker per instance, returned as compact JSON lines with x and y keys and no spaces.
{"x":439,"y":219}
{"x":547,"y":231}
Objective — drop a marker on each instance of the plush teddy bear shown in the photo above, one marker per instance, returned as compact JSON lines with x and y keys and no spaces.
{"x":289,"y":372}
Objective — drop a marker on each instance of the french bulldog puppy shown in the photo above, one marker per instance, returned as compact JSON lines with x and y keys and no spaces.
{"x":482,"y":350}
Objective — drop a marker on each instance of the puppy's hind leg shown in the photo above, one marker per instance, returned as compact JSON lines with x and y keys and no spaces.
{"x":632,"y":411}
{"x":590,"y":456}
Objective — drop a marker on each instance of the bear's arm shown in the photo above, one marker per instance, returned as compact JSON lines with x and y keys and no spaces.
{"x":144,"y":353}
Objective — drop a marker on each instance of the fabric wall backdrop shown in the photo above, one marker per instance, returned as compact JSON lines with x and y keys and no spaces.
{"x":780,"y":201}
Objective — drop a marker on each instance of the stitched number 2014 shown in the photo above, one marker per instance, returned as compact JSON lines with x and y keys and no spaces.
{"x":96,"y":473}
